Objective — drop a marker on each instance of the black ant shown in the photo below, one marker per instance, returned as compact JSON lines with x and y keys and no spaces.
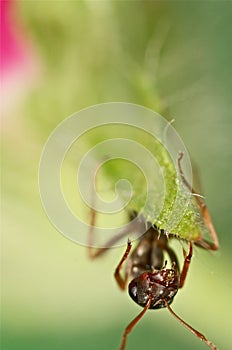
{"x":153,"y":285}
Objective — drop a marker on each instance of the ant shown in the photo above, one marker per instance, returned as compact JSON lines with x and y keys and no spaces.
{"x":153,"y":285}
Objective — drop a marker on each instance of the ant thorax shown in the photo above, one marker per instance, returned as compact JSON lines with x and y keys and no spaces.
{"x":149,"y":254}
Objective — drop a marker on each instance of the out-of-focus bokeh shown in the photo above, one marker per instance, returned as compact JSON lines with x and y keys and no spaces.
{"x":58,"y":57}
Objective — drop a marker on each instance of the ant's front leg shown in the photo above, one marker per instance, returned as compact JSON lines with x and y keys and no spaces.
{"x":119,"y":279}
{"x":186,"y":265}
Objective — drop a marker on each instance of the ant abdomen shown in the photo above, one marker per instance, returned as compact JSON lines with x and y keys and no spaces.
{"x":160,"y":286}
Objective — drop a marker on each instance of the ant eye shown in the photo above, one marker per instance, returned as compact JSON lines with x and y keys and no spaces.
{"x":133,"y":291}
{"x":139,"y":290}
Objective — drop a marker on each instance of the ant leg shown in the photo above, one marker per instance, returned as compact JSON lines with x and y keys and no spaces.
{"x":185,"y":268}
{"x":205,"y":213}
{"x":91,"y":252}
{"x":122,"y":281}
{"x":137,"y":225}
{"x":191,"y":329}
{"x":94,"y":253}
{"x":133,"y":323}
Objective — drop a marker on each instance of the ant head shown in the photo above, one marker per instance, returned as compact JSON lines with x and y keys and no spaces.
{"x":159,"y":286}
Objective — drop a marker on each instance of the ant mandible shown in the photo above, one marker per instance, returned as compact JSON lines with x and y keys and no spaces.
{"x":153,"y":285}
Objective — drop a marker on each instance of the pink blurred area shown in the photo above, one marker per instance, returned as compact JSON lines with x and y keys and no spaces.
{"x":19,"y":67}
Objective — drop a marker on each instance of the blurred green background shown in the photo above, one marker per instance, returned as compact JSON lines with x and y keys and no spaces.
{"x":173,"y":57}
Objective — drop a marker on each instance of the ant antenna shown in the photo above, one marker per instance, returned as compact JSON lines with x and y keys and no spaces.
{"x":133,"y":323}
{"x":191,"y":329}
